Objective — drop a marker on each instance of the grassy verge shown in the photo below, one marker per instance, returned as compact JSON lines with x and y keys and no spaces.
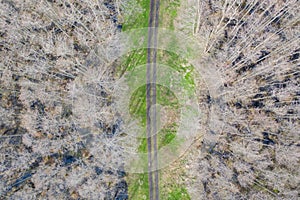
{"x":138,"y":18}
{"x":178,"y":193}
{"x":138,"y":186}
{"x":168,"y":13}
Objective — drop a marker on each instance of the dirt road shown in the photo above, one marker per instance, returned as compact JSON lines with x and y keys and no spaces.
{"x":151,"y":100}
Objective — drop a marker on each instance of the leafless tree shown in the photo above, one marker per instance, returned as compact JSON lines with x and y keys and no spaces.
{"x":57,"y":129}
{"x":252,"y":150}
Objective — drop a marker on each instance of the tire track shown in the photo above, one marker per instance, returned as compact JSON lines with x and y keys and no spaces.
{"x":153,"y":175}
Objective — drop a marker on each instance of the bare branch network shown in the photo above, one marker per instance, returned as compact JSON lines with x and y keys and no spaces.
{"x":60,"y":132}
